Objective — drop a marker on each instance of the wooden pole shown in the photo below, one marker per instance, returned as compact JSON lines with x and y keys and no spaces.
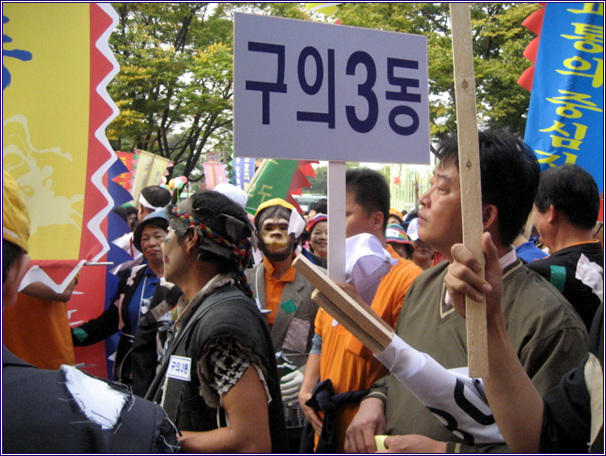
{"x":336,"y":220}
{"x":469,"y":171}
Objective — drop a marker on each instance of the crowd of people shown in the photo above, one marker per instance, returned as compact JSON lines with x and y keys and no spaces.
{"x":223,"y":350}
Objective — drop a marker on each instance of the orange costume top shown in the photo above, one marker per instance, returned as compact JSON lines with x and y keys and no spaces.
{"x":274,"y":289}
{"x":37,"y":331}
{"x":344,"y":359}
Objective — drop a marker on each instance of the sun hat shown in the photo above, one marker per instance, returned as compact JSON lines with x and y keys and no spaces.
{"x":395,"y":233}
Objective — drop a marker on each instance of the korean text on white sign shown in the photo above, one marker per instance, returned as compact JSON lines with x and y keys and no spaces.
{"x":306,"y":90}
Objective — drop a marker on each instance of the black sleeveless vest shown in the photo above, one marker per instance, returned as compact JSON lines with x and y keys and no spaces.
{"x":226,"y":312}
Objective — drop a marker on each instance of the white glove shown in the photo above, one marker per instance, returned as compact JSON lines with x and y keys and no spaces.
{"x":290,"y":385}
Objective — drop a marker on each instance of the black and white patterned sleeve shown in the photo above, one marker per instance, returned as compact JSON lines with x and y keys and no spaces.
{"x":223,"y":363}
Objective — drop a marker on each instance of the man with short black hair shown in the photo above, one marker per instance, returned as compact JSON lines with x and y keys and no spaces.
{"x":547,"y":334}
{"x":565,"y":213}
{"x":219,"y":379}
{"x":567,"y":419}
{"x":65,"y":411}
{"x":153,"y":198}
{"x":336,"y":354}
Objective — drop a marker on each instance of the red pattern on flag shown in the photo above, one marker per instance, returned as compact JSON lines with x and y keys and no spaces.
{"x":534,"y":23}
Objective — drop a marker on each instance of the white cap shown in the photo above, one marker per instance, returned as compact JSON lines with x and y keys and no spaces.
{"x":413,"y":229}
{"x":366,"y":264}
{"x":236,"y":194}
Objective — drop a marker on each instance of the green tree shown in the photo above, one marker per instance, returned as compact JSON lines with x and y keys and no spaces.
{"x":499,"y":40}
{"x":175,"y":84}
{"x":319,"y":183}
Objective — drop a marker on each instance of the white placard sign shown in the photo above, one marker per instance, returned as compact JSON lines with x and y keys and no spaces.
{"x":306,"y":90}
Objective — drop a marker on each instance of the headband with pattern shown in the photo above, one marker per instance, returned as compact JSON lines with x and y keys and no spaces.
{"x":242,"y":252}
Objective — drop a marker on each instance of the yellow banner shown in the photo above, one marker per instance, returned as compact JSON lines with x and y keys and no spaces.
{"x":148,"y":170}
{"x":324,"y":8}
{"x":46,"y":119}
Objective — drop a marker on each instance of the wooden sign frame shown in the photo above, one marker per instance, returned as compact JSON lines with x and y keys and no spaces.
{"x":469,"y":173}
{"x":357,"y":317}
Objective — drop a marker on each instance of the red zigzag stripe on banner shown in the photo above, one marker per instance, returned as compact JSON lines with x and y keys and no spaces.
{"x":534,"y":23}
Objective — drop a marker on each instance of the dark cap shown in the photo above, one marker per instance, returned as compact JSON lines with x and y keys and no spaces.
{"x":156,"y":218}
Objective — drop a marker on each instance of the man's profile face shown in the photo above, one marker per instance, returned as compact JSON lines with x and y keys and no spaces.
{"x":357,"y":220}
{"x":275,"y":242}
{"x":440,"y":223}
{"x":175,"y":258}
{"x":540,"y":221}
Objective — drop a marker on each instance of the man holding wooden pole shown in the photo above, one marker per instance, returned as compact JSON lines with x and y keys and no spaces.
{"x":570,"y":418}
{"x":548,"y":336}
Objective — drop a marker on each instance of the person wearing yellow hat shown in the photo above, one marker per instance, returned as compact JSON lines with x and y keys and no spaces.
{"x":41,"y":407}
{"x":395,"y":216}
{"x":285,"y":295}
{"x":15,"y":240}
{"x":37,"y":328}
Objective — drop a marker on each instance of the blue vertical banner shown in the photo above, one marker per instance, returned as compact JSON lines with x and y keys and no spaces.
{"x":243,"y":171}
{"x":566,"y":115}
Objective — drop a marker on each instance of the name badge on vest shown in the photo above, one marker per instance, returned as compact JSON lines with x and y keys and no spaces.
{"x":179,"y":367}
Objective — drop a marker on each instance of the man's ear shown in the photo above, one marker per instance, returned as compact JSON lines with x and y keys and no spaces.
{"x":490,"y":217}
{"x":553,"y":214}
{"x":191,"y":241}
{"x":378,"y":219}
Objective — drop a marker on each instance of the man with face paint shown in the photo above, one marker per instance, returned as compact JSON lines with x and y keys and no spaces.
{"x":218,"y":379}
{"x":284,"y":294}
